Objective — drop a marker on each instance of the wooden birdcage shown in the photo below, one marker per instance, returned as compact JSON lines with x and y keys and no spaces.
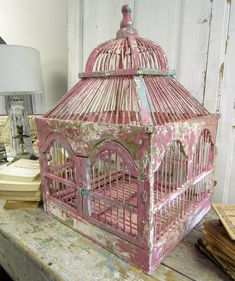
{"x":127,"y":154}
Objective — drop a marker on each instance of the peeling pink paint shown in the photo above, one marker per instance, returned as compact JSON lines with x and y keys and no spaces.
{"x":127,"y":155}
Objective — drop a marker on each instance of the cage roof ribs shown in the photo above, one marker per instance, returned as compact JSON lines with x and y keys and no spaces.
{"x":127,"y":81}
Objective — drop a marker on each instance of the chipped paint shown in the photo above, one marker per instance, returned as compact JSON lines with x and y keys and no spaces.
{"x":221,"y":71}
{"x":127,"y":155}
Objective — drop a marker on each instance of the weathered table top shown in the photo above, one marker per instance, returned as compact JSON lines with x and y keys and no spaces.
{"x":36,"y":247}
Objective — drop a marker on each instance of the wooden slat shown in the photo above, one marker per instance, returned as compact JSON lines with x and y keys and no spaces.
{"x":190,"y":262}
{"x":226,"y":214}
{"x":216,"y":55}
{"x":22,"y":265}
{"x":225,"y":169}
{"x":198,"y":37}
{"x":75,"y":40}
{"x":194,"y":36}
{"x":159,"y":21}
{"x":101,"y":22}
{"x":53,"y":251}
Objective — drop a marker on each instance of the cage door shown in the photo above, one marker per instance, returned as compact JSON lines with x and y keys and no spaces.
{"x":113,"y":198}
{"x":61,"y":174}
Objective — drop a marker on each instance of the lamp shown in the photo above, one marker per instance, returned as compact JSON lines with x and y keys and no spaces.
{"x":20,"y":74}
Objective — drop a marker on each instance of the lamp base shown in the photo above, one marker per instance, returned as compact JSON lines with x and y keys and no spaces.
{"x":21,"y":142}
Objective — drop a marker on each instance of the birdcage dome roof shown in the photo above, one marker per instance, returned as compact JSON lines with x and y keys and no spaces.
{"x":127,"y":81}
{"x":129,"y":52}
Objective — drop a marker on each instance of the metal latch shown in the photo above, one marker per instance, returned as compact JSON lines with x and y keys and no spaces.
{"x":83,"y":191}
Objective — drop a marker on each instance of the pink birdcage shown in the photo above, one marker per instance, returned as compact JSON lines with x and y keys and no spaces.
{"x":127,"y":154}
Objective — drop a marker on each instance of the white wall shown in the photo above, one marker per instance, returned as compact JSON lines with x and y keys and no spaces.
{"x":198,"y":37}
{"x":41,"y":24}
{"x":225,"y":162}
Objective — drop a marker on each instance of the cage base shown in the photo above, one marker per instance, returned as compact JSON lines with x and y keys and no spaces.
{"x":141,"y":257}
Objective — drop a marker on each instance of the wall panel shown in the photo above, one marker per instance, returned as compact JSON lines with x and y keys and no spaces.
{"x":101,"y":20}
{"x":193,"y":48}
{"x":225,"y":160}
{"x":159,"y":21}
{"x":194,"y":35}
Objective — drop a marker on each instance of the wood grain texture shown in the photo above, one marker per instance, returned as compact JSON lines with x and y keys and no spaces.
{"x":53,"y":251}
{"x":226,"y":137}
{"x":35,"y":247}
{"x":193,"y":48}
{"x":226,"y":215}
{"x":191,"y":262}
{"x":75,"y":33}
{"x":198,"y":38}
{"x":216,"y":54}
{"x":160,"y":22}
{"x":101,"y":22}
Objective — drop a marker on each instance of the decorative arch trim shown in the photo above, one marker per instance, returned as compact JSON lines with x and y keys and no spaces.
{"x":182,"y":145}
{"x":117,"y":148}
{"x":56,"y":137}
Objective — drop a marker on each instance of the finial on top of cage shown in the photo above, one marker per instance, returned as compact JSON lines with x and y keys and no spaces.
{"x":126,"y":25}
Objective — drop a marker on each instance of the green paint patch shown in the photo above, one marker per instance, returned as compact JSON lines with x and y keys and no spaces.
{"x":68,"y":220}
{"x":44,"y":241}
{"x":33,"y":229}
{"x":77,"y":258}
{"x":110,"y":246}
{"x":123,"y":270}
{"x":221,"y":71}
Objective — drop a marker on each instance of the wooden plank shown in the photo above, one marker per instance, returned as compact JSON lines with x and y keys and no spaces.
{"x":216,"y":54}
{"x":171,"y":22}
{"x":195,"y":261}
{"x":216,"y":235}
{"x":192,"y":263}
{"x":101,"y":22}
{"x":159,"y":21}
{"x":90,"y":23}
{"x":53,"y":251}
{"x":75,"y":40}
{"x":211,"y":215}
{"x":21,"y":170}
{"x":214,"y":85}
{"x":20,"y":265}
{"x":194,"y":36}
{"x":225,"y":160}
{"x":226,"y":215}
{"x":229,"y":193}
{"x":198,"y":37}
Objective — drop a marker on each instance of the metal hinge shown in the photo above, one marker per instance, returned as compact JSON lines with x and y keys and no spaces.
{"x":83,"y":191}
{"x":149,"y":128}
{"x":144,"y":196}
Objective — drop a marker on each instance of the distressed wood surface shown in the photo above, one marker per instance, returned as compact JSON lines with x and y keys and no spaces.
{"x":35,"y":247}
{"x":168,"y":23}
{"x":225,"y":162}
{"x":198,"y":38}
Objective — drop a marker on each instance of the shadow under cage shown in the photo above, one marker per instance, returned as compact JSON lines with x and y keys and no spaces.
{"x":126,"y":155}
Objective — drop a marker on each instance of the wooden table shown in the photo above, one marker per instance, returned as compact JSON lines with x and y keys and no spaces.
{"x":36,"y":247}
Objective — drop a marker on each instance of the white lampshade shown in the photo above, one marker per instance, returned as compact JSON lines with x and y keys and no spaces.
{"x":20,"y":70}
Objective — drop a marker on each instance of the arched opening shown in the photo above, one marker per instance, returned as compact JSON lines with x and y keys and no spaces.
{"x":172,"y":173}
{"x":203,"y":154}
{"x":169,"y":180}
{"x":114,"y":189}
{"x":60,"y":173}
{"x":202,"y":166}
